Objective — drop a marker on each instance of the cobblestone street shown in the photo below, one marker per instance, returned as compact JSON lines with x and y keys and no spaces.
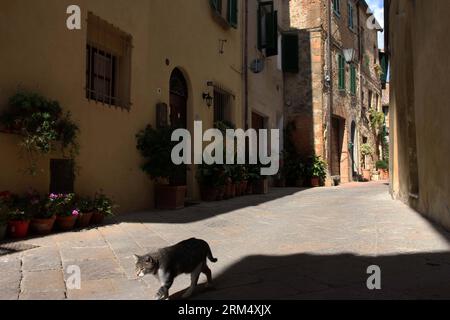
{"x":290,"y":244}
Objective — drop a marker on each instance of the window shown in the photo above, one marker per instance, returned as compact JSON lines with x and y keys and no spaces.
{"x":341,"y":80}
{"x":62,"y":176}
{"x":268,"y":28}
{"x":289,"y":52}
{"x":108,"y":64}
{"x":353,"y":79}
{"x":337,"y":7}
{"x":369,"y":104}
{"x":222,"y":104}
{"x":351,"y":24}
{"x":227,"y":10}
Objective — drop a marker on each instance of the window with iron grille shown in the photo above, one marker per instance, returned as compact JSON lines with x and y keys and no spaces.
{"x":108,"y":64}
{"x":222,"y":105}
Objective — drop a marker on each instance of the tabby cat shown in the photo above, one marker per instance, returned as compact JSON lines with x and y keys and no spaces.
{"x":187,"y":257}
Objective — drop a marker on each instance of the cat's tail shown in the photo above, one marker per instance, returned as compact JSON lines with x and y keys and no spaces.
{"x":210,"y":256}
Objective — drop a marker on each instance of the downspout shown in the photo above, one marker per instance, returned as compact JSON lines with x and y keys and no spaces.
{"x":330,"y":87}
{"x":245,"y":65}
{"x":361,"y":101}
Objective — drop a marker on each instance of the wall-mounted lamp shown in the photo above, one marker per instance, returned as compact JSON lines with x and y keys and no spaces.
{"x":208,"y":98}
{"x":349,"y":55}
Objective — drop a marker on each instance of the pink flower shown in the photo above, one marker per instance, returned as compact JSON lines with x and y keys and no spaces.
{"x":75,"y":212}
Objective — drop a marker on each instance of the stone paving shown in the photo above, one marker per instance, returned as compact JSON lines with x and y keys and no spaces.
{"x":290,"y":244}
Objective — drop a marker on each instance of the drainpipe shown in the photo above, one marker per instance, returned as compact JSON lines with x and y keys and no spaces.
{"x":358,"y":5}
{"x":245,"y":65}
{"x":330,"y":86}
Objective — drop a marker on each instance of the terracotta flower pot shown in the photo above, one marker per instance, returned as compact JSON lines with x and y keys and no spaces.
{"x":3,"y":231}
{"x":170,"y":197}
{"x":315,"y":182}
{"x":42,"y":226}
{"x":66,"y":223}
{"x":244,"y":185}
{"x":366,"y":174}
{"x":249,"y":190}
{"x":384,"y":174}
{"x":261,"y":186}
{"x":97,"y":218}
{"x":228,"y":190}
{"x":233,"y":190}
{"x":209,"y":194}
{"x":238,"y":189}
{"x":84,"y":220}
{"x":221,"y":193}
{"x":18,"y":229}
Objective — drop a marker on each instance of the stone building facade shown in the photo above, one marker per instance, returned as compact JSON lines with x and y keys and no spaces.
{"x":329,"y":98}
{"x":176,"y":52}
{"x":416,"y":42}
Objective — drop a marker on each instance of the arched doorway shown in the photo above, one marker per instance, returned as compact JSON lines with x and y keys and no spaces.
{"x":178,"y":100}
{"x":178,"y":111}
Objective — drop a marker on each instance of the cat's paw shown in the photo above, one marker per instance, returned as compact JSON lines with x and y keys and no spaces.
{"x":161,"y":296}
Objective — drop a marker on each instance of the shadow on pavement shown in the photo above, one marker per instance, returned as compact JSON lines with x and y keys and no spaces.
{"x":303,"y":276}
{"x":207,"y":210}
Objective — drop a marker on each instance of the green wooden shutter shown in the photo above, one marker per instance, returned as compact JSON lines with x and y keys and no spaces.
{"x":384,"y":67}
{"x":232,"y":15}
{"x":272,"y":34}
{"x":341,"y":62}
{"x":353,"y":79}
{"x":290,"y":55}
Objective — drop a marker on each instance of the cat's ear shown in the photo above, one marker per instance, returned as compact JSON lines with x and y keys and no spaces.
{"x":136,"y":257}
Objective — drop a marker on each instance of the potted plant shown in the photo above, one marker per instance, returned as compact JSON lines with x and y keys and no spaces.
{"x":86,"y":207}
{"x":212,"y":179}
{"x":18,"y":223}
{"x":260,"y":184}
{"x":317,"y":171}
{"x":3,"y":226}
{"x":382,"y":167}
{"x":366,"y":151}
{"x":156,"y":146}
{"x":41,"y":123}
{"x":237,"y":176}
{"x":43,"y":219}
{"x":103,"y":207}
{"x":253,"y":174}
{"x":63,"y":206}
{"x":5,"y":198}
